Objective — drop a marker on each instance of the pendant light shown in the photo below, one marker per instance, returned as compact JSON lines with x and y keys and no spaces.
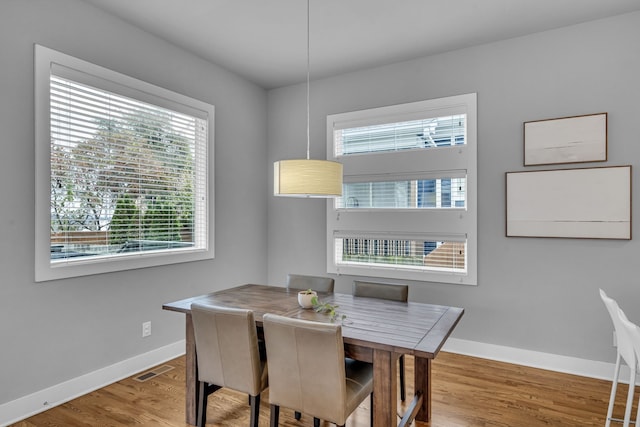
{"x":307,"y":177}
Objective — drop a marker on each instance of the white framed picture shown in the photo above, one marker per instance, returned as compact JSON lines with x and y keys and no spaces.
{"x":590,"y":203}
{"x":576,"y":139}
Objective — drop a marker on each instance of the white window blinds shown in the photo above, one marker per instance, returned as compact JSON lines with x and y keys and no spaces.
{"x":426,"y":133}
{"x":128,"y":169}
{"x":123,"y":173}
{"x":408,"y":208}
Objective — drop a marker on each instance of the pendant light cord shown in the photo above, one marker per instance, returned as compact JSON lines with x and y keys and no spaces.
{"x":308,"y":83}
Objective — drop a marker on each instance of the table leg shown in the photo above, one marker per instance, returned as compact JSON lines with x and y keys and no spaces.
{"x":385,"y":405}
{"x":423,"y":385}
{"x":191,"y":398}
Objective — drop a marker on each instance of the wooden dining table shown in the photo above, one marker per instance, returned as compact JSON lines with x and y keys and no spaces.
{"x":374,"y":330}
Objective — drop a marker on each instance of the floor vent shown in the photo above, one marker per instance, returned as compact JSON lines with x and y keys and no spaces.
{"x":153,"y":373}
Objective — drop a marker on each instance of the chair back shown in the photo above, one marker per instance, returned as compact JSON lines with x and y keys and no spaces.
{"x":317,"y":283}
{"x":381,"y":291}
{"x":227,"y":348}
{"x":306,"y":367}
{"x":632,"y":331}
{"x":625,"y":348}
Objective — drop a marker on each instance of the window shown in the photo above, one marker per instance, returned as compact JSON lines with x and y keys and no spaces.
{"x":122,"y":171}
{"x":408,"y":206}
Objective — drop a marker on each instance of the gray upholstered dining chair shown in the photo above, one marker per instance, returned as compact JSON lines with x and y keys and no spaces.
{"x":309,"y":373}
{"x":317,"y":283}
{"x":228,"y":356}
{"x":388,"y":292}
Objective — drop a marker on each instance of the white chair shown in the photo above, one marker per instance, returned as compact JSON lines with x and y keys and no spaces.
{"x":625,"y":352}
{"x":633,"y":333}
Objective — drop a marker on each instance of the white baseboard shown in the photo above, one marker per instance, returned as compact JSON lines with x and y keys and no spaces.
{"x":40,"y":401}
{"x":536,"y":359}
{"x":58,"y":394}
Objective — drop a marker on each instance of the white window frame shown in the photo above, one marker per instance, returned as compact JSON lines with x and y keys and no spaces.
{"x":438,"y":224}
{"x":47,"y":59}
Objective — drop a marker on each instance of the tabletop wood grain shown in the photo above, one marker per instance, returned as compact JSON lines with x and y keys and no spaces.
{"x":412,"y":328}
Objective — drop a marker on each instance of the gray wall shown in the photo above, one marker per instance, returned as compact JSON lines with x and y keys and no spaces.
{"x":54,"y":331}
{"x":535,"y":294}
{"x":538,"y":294}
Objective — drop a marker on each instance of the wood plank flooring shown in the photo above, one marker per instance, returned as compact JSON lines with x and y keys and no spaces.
{"x":467,"y":391}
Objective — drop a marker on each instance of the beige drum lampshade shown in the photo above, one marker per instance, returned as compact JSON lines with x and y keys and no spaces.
{"x":307,"y":178}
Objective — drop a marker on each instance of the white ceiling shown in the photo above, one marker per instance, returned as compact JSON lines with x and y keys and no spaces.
{"x":266,"y":40}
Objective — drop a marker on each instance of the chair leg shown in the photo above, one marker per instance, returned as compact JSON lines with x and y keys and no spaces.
{"x":403,"y":393}
{"x":316,"y":422}
{"x":275,"y":415}
{"x":297,"y":415}
{"x":255,"y":410}
{"x":614,"y":387}
{"x":638,"y":414}
{"x":371,"y":410}
{"x":202,"y":404}
{"x":632,"y":386}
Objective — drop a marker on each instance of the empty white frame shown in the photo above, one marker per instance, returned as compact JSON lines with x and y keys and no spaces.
{"x":580,"y":203}
{"x":566,"y":140}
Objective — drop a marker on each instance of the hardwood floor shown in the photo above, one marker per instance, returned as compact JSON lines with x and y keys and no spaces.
{"x":467,"y":391}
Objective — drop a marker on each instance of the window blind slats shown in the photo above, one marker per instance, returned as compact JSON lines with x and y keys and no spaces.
{"x":412,"y":254}
{"x":415,"y":134}
{"x":95,"y":77}
{"x":437,"y":193}
{"x":123,"y":170}
{"x":410,"y":175}
{"x":124,"y":174}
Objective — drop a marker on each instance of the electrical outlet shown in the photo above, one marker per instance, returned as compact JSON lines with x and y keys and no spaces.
{"x":146,"y":329}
